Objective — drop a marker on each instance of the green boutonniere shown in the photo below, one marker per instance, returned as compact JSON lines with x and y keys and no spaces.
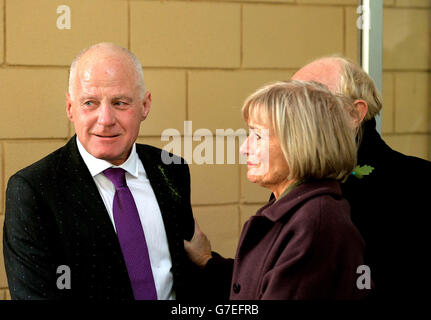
{"x":361,"y":171}
{"x":172,"y":189}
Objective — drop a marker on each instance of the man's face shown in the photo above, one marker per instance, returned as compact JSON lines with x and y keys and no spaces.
{"x":106,"y":106}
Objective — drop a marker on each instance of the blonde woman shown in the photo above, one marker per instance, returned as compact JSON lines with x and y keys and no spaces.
{"x":302,"y":244}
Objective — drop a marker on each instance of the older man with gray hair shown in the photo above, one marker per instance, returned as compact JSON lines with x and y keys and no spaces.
{"x":102,"y":217}
{"x":386,"y":192}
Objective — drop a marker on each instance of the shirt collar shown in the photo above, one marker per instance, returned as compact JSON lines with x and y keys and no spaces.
{"x":96,"y":166}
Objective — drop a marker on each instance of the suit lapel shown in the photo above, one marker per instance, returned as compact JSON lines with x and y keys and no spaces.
{"x":170,"y":204}
{"x":162,"y":190}
{"x":79,"y":193}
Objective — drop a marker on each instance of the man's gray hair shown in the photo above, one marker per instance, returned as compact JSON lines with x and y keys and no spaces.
{"x":133,"y":59}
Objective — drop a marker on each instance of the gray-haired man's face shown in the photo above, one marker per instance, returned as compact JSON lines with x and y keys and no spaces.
{"x":107,"y":106}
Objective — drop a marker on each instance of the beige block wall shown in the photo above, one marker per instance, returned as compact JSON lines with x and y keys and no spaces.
{"x":172,"y":34}
{"x":271,"y":39}
{"x":19,"y":154}
{"x":403,"y":30}
{"x":351,"y":34}
{"x":406,"y":76}
{"x":210,"y":91}
{"x":412,"y":102}
{"x":388,"y":92}
{"x":1,"y":32}
{"x":168,"y":106}
{"x":414,"y":3}
{"x":201,"y":59}
{"x":26,"y":102}
{"x":412,"y":144}
{"x":34,"y":39}
{"x":222,"y":226}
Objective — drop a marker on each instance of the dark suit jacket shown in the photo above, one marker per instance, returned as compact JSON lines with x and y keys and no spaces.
{"x":389,"y":207}
{"x":303,"y":246}
{"x":56,"y":216}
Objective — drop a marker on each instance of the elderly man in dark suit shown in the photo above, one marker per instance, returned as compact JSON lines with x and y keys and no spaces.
{"x":108,"y":211}
{"x":389,"y":202}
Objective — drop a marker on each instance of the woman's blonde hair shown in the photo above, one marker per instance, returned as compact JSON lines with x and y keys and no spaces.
{"x":316,"y":133}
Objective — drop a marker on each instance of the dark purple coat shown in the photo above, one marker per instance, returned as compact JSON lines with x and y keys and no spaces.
{"x":303,"y":246}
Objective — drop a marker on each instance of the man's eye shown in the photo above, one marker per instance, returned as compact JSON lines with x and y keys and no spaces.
{"x":88,"y":103}
{"x":120,"y":103}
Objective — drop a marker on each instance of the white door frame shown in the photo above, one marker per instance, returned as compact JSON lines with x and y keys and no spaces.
{"x":372,"y":44}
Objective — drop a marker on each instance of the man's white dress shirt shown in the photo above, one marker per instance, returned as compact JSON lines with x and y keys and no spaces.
{"x":148,"y":209}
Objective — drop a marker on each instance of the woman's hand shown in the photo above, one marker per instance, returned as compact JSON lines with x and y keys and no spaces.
{"x":198,"y":248}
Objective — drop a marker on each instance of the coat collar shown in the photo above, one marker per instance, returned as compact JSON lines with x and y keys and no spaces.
{"x":275,"y":210}
{"x":371,"y":145}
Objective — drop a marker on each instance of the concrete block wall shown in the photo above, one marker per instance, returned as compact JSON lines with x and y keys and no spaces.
{"x":406,"y":76}
{"x":201,"y":59}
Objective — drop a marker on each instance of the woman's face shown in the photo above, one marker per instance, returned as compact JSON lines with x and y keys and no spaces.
{"x":265,"y":160}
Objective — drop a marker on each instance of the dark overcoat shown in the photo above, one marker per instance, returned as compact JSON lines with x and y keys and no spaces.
{"x":303,"y":246}
{"x":55,"y":216}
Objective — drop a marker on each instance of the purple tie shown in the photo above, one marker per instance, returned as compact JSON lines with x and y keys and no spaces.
{"x":131,"y":237}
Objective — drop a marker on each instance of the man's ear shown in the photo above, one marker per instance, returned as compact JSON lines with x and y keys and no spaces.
{"x":362,"y":109}
{"x":146,"y":105}
{"x":69,"y":107}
